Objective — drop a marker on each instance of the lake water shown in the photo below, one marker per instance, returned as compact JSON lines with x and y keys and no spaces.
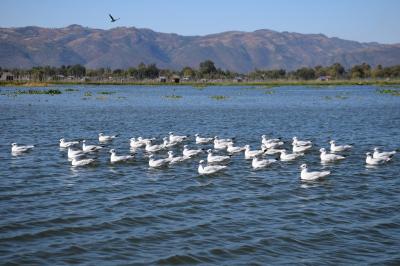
{"x":52,"y":214}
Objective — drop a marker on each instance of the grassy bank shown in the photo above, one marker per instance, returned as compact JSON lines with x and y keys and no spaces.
{"x":273,"y":83}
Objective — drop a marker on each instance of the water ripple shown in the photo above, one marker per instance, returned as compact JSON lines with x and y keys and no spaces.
{"x":54,"y":214}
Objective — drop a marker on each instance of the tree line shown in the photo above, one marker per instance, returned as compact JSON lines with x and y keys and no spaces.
{"x":205,"y":70}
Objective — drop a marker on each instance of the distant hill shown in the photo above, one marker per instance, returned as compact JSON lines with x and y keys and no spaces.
{"x":235,"y":50}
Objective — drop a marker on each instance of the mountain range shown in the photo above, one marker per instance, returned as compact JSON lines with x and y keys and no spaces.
{"x":124,"y":47}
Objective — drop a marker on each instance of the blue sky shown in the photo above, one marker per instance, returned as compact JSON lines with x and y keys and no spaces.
{"x":360,"y":20}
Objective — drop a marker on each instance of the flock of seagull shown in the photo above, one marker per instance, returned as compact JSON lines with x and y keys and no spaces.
{"x":215,"y":163}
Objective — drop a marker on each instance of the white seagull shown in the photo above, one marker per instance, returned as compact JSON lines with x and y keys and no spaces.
{"x":270,"y":151}
{"x":174,"y":138}
{"x":81,"y":162}
{"x":376,"y":161}
{"x":66,"y":144}
{"x":249,"y":154}
{"x":18,"y":149}
{"x":74,"y":153}
{"x":90,"y":148}
{"x":216,"y":158}
{"x":209,"y":169}
{"x":257,"y":163}
{"x":176,"y":159}
{"x":378,"y":154}
{"x":220,"y":145}
{"x":286,"y":157}
{"x":297,"y":142}
{"x":339,"y":148}
{"x":168,"y":144}
{"x":136,"y":143}
{"x":153,"y":148}
{"x":226,"y":141}
{"x":233,"y":149}
{"x":114,"y":158}
{"x":265,"y":140}
{"x":310,"y":176}
{"x":301,"y":149}
{"x":329,"y":157}
{"x":200,"y":140}
{"x":190,"y":153}
{"x":271,"y":143}
{"x":105,"y":138}
{"x":153,"y":163}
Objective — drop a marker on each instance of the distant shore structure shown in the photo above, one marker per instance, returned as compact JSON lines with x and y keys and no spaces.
{"x":7,"y":76}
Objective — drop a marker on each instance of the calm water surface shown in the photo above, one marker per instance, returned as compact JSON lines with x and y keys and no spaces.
{"x":52,"y":214}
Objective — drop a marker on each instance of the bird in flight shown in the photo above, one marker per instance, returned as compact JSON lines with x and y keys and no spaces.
{"x":113,"y":19}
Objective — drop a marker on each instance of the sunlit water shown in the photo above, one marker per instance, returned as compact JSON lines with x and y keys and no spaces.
{"x":52,"y":214}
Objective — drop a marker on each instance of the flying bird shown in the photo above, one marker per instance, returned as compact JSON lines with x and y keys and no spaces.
{"x":113,"y":19}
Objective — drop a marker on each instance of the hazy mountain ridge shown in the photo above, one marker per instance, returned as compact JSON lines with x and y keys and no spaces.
{"x":235,"y":50}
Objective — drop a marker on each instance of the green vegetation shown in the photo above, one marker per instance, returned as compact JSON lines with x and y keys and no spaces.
{"x":106,"y":92}
{"x":341,"y":97}
{"x":219,"y":97}
{"x":50,"y":92}
{"x":88,"y":94}
{"x":199,"y":86}
{"x":268,"y":84}
{"x":392,"y":92}
{"x":70,"y":90}
{"x":207,"y":74}
{"x":173,"y":97}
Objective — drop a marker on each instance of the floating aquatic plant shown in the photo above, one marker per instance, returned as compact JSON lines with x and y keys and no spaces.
{"x":173,"y":97}
{"x":50,"y":92}
{"x":341,"y":97}
{"x":219,"y":97}
{"x":70,"y":90}
{"x":392,"y":92}
{"x":106,"y":92}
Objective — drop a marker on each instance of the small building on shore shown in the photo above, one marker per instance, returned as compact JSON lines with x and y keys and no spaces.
{"x":162,"y":79}
{"x":324,"y":78}
{"x":176,"y":78}
{"x":7,"y":76}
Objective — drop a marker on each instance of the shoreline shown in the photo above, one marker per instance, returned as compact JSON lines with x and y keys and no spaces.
{"x":275,"y":83}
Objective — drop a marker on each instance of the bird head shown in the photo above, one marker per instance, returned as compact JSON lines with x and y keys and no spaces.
{"x":303,"y":166}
